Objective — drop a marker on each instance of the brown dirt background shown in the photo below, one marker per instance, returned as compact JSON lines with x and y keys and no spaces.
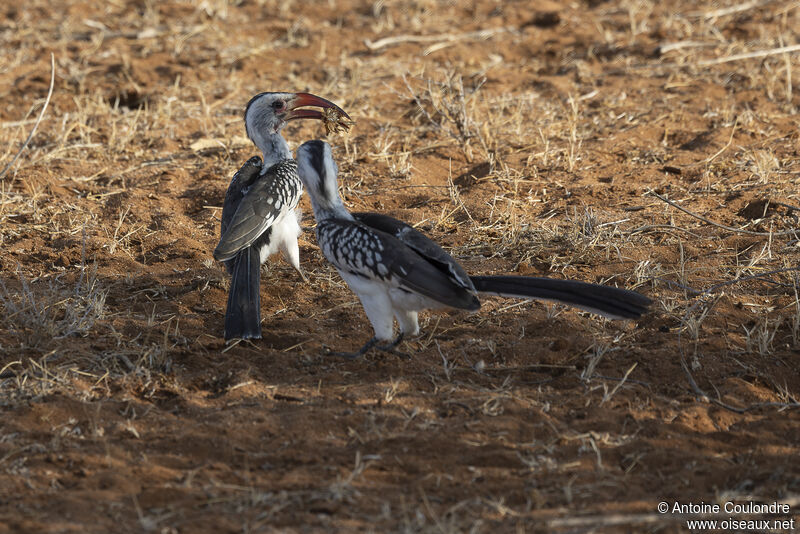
{"x":532,"y":149}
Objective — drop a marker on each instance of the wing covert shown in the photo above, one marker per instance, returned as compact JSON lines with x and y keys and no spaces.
{"x":359,"y":249}
{"x":419,"y":243}
{"x":271,"y":194}
{"x":242,"y":179}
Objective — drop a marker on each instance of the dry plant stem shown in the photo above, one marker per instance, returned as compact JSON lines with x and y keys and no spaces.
{"x":399,"y":39}
{"x":715,"y":287}
{"x":669,"y":47}
{"x":664,"y":227}
{"x":719,"y":225}
{"x":619,"y":384}
{"x":717,"y":61}
{"x":736,"y":9}
{"x":750,"y":55}
{"x":41,"y":115}
{"x":788,"y":63}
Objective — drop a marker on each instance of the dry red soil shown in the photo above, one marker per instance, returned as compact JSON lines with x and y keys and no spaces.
{"x":548,"y":145}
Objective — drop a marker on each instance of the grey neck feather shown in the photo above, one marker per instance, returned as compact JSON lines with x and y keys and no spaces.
{"x":273,"y":147}
{"x":327,"y":204}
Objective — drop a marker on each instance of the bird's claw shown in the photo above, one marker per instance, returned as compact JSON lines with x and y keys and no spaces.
{"x":389,"y":347}
{"x":303,"y":275}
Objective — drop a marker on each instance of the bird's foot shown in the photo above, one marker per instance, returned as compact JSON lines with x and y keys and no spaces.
{"x":389,"y":347}
{"x":353,"y":355}
{"x":392,"y":344}
{"x":303,"y":275}
{"x":234,"y":341}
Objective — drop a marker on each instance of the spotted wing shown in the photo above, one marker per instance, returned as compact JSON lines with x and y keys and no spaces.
{"x":233,"y":196}
{"x":272,"y":194}
{"x":419,"y":243}
{"x":371,"y":253}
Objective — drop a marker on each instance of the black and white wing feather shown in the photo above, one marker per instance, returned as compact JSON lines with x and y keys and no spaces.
{"x":233,"y":196}
{"x":257,"y":206}
{"x":371,"y":253}
{"x":419,"y":243}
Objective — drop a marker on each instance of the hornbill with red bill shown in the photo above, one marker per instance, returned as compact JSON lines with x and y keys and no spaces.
{"x":396,"y":271}
{"x":259,"y":214}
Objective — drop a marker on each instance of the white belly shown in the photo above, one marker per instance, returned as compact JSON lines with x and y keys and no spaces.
{"x":283,"y":238}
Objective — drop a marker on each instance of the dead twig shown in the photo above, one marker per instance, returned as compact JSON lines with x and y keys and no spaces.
{"x":41,"y":115}
{"x":749,"y":55}
{"x":679,"y":45}
{"x":747,"y":278}
{"x":443,"y":37}
{"x":719,"y":225}
{"x":709,"y":62}
{"x":608,"y":396}
{"x":734,"y":9}
{"x":663,"y":227}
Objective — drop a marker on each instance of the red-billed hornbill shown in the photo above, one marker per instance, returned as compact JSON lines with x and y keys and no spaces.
{"x":396,"y":271}
{"x":259,"y":216}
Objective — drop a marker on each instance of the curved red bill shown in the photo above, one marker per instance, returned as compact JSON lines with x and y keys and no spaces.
{"x":307,"y":99}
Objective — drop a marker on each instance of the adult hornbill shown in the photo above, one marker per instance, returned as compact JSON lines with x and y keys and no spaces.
{"x":396,"y":271}
{"x":259,"y":215}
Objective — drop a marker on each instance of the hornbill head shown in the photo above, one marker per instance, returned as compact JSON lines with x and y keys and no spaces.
{"x":267,"y":113}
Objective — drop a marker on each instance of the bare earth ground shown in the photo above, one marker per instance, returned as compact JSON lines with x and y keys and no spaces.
{"x":538,"y":147}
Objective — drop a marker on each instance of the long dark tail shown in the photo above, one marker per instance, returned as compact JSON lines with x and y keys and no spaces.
{"x":608,"y":301}
{"x":243,"y":314}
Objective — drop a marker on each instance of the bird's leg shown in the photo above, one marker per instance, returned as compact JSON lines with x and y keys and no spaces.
{"x":289,"y":247}
{"x":302,"y":275}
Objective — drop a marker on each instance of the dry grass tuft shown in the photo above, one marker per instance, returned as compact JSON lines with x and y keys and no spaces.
{"x":43,"y":314}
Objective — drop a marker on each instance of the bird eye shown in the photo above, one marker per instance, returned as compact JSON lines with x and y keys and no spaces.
{"x":278,"y":105}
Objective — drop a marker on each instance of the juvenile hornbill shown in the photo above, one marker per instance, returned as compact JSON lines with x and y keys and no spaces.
{"x":396,"y":271}
{"x":259,"y":215}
